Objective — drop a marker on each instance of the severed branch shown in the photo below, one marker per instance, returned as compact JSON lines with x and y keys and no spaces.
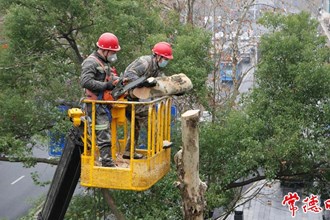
{"x":53,"y":161}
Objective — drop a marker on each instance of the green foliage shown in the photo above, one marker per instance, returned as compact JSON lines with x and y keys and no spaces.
{"x":282,"y":129}
{"x":292,"y":95}
{"x":217,"y":197}
{"x":35,"y":208}
{"x":40,"y":71}
{"x":36,"y":179}
{"x":90,"y":205}
{"x":162,"y":201}
{"x":190,"y":54}
{"x":48,"y":41}
{"x":234,"y":151}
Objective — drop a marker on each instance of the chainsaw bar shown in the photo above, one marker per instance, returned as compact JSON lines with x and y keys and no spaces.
{"x":120,"y":88}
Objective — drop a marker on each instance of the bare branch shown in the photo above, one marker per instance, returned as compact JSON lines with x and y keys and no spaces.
{"x":53,"y":161}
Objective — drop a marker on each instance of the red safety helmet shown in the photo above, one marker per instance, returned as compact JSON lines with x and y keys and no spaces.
{"x":108,"y":41}
{"x":163,"y":49}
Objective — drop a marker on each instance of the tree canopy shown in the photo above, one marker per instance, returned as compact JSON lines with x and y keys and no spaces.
{"x":48,"y":40}
{"x":281,"y":130}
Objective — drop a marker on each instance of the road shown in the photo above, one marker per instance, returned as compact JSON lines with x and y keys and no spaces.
{"x":17,"y":189}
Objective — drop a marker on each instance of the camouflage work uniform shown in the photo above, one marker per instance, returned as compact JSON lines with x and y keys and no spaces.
{"x":142,"y":66}
{"x":93,"y":79}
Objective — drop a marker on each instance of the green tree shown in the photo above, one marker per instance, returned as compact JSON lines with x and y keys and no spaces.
{"x":282,"y":129}
{"x":40,"y":70}
{"x":48,"y":40}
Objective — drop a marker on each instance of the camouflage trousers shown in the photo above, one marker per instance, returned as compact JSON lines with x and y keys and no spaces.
{"x":102,"y":128}
{"x":141,"y":122}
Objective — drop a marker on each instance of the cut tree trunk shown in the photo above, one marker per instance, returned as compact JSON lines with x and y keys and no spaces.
{"x":187,"y":162}
{"x":165,"y":85}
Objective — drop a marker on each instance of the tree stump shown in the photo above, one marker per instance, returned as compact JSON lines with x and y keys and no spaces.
{"x":187,"y":162}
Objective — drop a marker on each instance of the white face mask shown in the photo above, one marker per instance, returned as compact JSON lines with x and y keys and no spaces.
{"x":112,"y":58}
{"x":163,"y":63}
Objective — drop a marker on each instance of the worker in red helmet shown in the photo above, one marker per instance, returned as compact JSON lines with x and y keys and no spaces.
{"x":97,"y":76}
{"x":149,"y":66}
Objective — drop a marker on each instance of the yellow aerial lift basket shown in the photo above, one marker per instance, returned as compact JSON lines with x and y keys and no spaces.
{"x":133,"y":174}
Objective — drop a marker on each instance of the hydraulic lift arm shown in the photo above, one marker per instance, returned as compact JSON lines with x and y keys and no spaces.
{"x":65,"y":178}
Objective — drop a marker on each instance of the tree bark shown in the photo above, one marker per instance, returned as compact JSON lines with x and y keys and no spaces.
{"x":190,"y":13}
{"x":52,"y":161}
{"x":187,"y":162}
{"x":111,"y":203}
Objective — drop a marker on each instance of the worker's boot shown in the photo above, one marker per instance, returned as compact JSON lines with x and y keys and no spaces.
{"x":105,"y":157}
{"x":107,"y":162}
{"x":127,"y":155}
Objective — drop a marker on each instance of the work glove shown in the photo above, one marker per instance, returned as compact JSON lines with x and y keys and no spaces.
{"x":110,"y":85}
{"x":150,"y":82}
